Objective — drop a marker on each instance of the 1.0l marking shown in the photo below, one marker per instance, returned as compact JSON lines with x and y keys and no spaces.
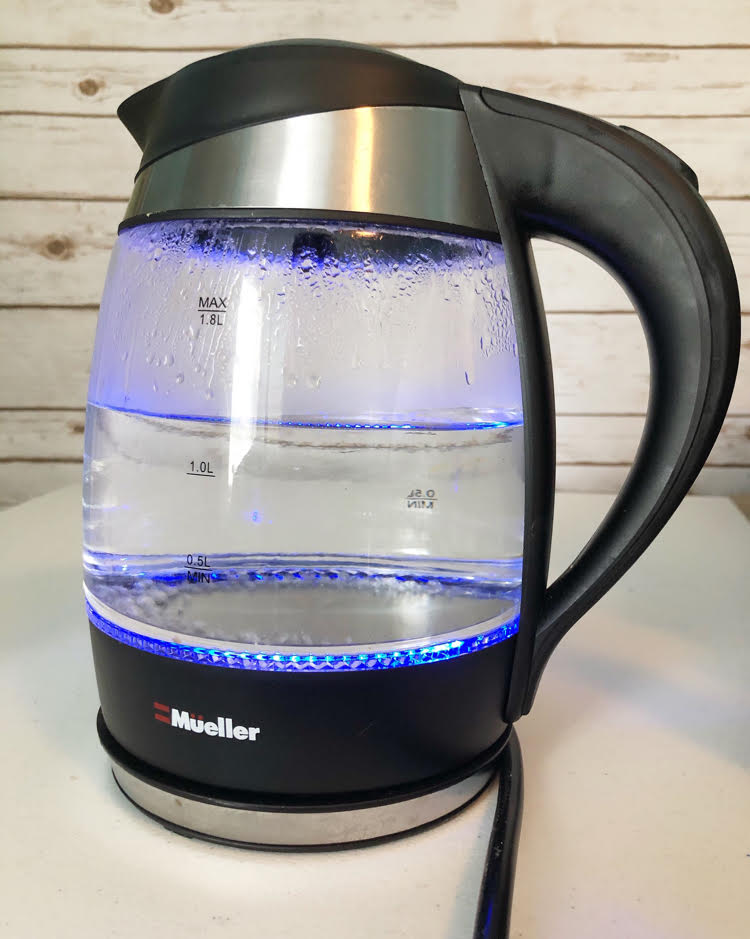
{"x":200,"y":468}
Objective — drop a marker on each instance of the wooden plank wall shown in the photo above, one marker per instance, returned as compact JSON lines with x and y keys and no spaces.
{"x":677,"y":69}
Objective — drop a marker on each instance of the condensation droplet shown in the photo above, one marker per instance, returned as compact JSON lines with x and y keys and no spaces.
{"x":168,"y":360}
{"x":155,"y":386}
{"x":313,"y":381}
{"x":179,"y":378}
{"x":291,"y":380}
{"x":209,"y":393}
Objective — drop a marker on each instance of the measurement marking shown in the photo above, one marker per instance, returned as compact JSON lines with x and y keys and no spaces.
{"x":189,"y":473}
{"x":192,"y":567}
{"x":198,"y":576}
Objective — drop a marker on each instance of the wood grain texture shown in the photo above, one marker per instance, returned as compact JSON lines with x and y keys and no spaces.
{"x":47,"y":354}
{"x":24,"y":479}
{"x":581,"y":438}
{"x":600,"y":362}
{"x":643,"y":82}
{"x":712,"y":481}
{"x":66,"y":168}
{"x":41,"y":435}
{"x":180,"y":24}
{"x":56,"y":253}
{"x":78,"y":157}
{"x":613,"y":439}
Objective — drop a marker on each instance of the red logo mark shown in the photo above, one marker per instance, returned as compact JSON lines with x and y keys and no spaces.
{"x":165,"y":711}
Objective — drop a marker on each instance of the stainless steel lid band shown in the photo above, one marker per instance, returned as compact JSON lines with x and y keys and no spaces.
{"x":414,"y":163}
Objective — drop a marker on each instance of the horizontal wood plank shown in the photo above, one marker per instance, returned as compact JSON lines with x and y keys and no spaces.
{"x":56,"y":253}
{"x":644,"y":82}
{"x":581,"y":439}
{"x":196,"y":24}
{"x":712,"y":481}
{"x":21,"y":480}
{"x":79,"y":157}
{"x":588,"y":439}
{"x":39,"y":435}
{"x":600,"y":362}
{"x":600,"y":365}
{"x":51,"y":354}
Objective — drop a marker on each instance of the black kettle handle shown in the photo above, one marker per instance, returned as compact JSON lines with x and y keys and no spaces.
{"x":634,"y":206}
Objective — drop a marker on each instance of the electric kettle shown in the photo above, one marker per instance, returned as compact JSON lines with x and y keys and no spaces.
{"x":320,"y":449}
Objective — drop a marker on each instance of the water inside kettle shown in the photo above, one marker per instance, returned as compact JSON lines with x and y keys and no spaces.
{"x":304,"y":534}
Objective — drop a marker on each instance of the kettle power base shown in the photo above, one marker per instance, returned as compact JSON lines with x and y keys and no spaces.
{"x":266,"y":828}
{"x":242,"y":820}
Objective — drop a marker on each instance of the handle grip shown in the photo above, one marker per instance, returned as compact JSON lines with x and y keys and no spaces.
{"x":634,"y":207}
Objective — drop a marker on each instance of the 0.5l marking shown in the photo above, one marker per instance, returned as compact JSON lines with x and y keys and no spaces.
{"x":421,"y":499}
{"x":198,"y":568}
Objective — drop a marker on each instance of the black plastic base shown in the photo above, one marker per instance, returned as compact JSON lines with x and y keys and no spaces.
{"x":272,"y":802}
{"x":319,"y":735}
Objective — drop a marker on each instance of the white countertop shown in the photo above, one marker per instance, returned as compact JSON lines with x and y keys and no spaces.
{"x":637,"y":807}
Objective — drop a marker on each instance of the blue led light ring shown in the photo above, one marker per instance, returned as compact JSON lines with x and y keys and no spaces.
{"x":278,"y":662}
{"x":322,"y":423}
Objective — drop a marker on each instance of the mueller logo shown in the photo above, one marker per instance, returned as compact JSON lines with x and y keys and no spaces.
{"x":220,"y":727}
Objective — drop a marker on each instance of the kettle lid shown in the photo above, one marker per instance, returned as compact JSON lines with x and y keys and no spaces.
{"x":275,"y":80}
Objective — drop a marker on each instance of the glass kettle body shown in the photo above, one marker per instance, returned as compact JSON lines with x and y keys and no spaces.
{"x":305,"y":444}
{"x":319,"y":466}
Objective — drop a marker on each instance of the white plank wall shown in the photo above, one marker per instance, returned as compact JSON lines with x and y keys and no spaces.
{"x":678,"y":70}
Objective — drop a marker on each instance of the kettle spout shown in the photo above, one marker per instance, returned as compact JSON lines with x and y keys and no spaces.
{"x":138,"y":111}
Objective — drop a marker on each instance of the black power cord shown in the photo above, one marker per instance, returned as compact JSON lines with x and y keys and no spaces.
{"x":496,"y":894}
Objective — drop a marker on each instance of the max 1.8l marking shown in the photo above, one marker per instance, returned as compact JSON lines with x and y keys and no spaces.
{"x":212,"y":310}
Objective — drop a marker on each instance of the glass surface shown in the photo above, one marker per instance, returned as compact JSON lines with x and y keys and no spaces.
{"x":304,"y":438}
